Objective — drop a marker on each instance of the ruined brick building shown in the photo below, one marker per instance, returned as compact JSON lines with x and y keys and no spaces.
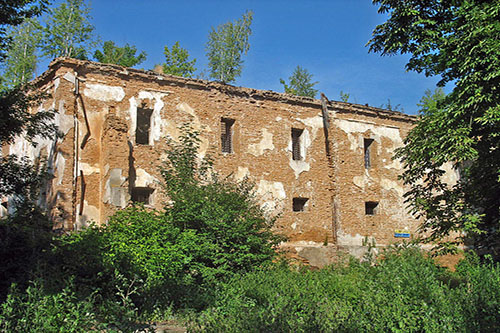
{"x":328,"y":169}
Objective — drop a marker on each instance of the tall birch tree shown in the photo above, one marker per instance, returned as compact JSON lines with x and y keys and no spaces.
{"x":225,"y":47}
{"x":68,"y":31}
{"x":20,"y":62}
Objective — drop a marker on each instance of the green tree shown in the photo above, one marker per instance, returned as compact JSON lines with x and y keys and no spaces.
{"x":176,"y":61}
{"x":68,"y":31}
{"x":225,"y":47}
{"x":231,"y":222}
{"x":209,"y":230}
{"x":13,"y":13}
{"x":300,"y":83}
{"x":123,"y":56}
{"x":20,"y":62}
{"x":460,"y":41}
{"x":18,"y":174}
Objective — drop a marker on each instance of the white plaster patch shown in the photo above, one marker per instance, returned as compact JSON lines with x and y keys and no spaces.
{"x":57,"y":81}
{"x":450,"y":177}
{"x":90,"y":213}
{"x":157,"y":124}
{"x":196,"y":124}
{"x":266,"y":143}
{"x":60,"y":163}
{"x":70,"y":77}
{"x":64,"y":121}
{"x":88,"y":169}
{"x":114,"y":193}
{"x":274,"y":189}
{"x":241,"y":174}
{"x":389,"y":185}
{"x":395,"y":164}
{"x":300,"y":245}
{"x":314,"y":123}
{"x":143,"y":179}
{"x":359,"y":181}
{"x":103,"y":92}
{"x":351,"y":126}
{"x":353,"y":240}
{"x":301,"y":165}
{"x":271,"y":194}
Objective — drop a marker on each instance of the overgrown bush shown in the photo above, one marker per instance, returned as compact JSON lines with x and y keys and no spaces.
{"x":403,"y":292}
{"x":25,"y":238}
{"x":209,"y":230}
{"x":35,"y":310}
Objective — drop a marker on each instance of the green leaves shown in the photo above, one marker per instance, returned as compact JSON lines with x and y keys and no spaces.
{"x":225,"y":47}
{"x":223,"y":215}
{"x":404,"y":291}
{"x":176,"y":62}
{"x":68,"y":31}
{"x":300,"y":83}
{"x":123,"y":56}
{"x":460,"y":41}
{"x":20,"y":61}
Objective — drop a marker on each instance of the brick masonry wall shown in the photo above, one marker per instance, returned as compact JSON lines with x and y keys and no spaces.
{"x":100,"y":123}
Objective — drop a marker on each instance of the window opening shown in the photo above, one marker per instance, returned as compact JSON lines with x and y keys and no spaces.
{"x":296,"y":153}
{"x":367,"y":150}
{"x":142,"y":195}
{"x":371,"y":208}
{"x":299,"y":204}
{"x":143,"y":126}
{"x":226,"y":136}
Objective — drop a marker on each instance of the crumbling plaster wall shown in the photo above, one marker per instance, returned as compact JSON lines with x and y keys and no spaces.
{"x":379,"y":183}
{"x":110,"y":163}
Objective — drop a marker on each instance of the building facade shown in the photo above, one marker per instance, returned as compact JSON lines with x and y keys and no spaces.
{"x":326,"y":167}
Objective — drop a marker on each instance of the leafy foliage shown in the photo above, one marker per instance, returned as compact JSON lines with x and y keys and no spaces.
{"x":176,"y":256}
{"x":35,"y":310}
{"x":344,"y":97}
{"x":123,"y":56}
{"x":225,"y":47}
{"x":20,"y":62}
{"x":15,"y":12}
{"x":403,"y":292}
{"x":460,"y":41}
{"x":232,"y":224}
{"x":19,"y":175}
{"x":176,"y":62}
{"x":300,"y":83}
{"x":391,"y":107}
{"x":68,"y":31}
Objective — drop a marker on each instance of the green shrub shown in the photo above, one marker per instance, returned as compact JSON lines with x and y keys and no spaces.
{"x":209,"y":230}
{"x":480,"y":294}
{"x":25,"y":238}
{"x":235,"y":232}
{"x":403,"y":292}
{"x":35,"y":310}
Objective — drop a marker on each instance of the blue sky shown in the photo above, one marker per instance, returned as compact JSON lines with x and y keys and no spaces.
{"x":327,"y":38}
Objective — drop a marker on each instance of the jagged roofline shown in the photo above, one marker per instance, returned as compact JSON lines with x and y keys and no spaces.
{"x":120,"y":71}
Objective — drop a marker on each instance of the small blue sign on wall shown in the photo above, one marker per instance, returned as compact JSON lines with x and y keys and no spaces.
{"x":401,"y":234}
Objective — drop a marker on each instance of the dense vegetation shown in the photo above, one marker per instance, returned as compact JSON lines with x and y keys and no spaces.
{"x":209,"y":255}
{"x":460,"y":42}
{"x":403,"y":291}
{"x":143,"y":262}
{"x":213,"y":262}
